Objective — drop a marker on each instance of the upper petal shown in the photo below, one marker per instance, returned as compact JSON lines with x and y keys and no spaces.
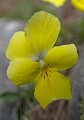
{"x":19,"y":46}
{"x":52,"y":87}
{"x":23,"y":71}
{"x":61,"y":57}
{"x":57,"y":3}
{"x":42,"y":30}
{"x":79,"y":4}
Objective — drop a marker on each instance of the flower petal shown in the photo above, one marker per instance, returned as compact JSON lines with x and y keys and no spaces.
{"x":42,"y":31}
{"x":19,"y":47}
{"x":53,"y":86}
{"x":23,"y":71}
{"x":61,"y":57}
{"x":57,"y":3}
{"x":79,"y":4}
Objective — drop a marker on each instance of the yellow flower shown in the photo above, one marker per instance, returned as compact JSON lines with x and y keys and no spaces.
{"x":79,"y":4}
{"x":34,"y":59}
{"x":57,"y":3}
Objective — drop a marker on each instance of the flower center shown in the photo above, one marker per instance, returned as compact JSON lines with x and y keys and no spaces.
{"x":42,"y":63}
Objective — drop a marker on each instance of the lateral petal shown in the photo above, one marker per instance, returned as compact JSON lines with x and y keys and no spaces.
{"x":23,"y":71}
{"x":61,"y":57}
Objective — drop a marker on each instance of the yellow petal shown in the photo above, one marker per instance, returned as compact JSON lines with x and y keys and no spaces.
{"x":19,"y":47}
{"x":52,"y":86}
{"x":23,"y":71}
{"x":42,"y":30}
{"x":79,"y":4}
{"x":57,"y":3}
{"x":61,"y":57}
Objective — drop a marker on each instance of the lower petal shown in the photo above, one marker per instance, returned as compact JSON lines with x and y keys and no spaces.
{"x":52,"y":86}
{"x":23,"y":71}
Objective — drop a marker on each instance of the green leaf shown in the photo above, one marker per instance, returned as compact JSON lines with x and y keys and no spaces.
{"x":19,"y":114}
{"x":10,"y":97}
